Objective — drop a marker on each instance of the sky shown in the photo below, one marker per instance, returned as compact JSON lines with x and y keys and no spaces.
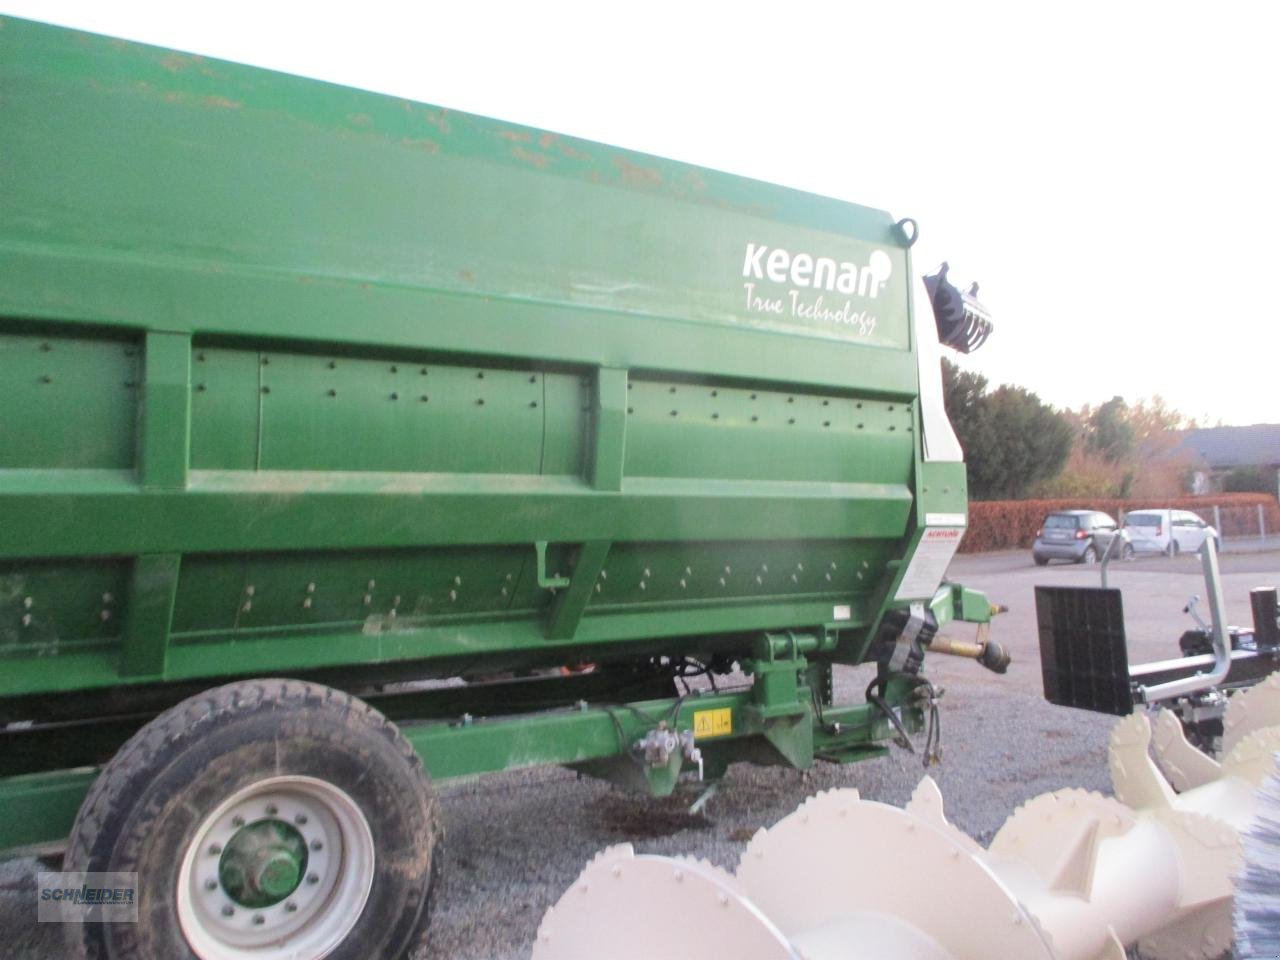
{"x":1106,"y":171}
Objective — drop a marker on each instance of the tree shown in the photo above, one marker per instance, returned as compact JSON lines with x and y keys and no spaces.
{"x":1011,"y":439}
{"x":1108,"y":431}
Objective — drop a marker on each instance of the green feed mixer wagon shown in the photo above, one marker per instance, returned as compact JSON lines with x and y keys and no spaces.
{"x":351,"y":444}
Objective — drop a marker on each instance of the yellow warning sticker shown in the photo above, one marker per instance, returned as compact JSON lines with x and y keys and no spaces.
{"x":712,"y":723}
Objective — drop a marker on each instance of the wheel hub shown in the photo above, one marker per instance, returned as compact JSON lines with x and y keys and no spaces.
{"x":263,"y":863}
{"x":282,"y":868}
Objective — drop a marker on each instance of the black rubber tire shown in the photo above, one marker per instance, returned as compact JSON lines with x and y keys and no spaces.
{"x":144,"y":808}
{"x":1090,"y":556}
{"x":1172,"y":549}
{"x":1040,"y":561}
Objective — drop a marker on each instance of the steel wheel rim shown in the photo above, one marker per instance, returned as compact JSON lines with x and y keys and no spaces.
{"x":307,"y":923}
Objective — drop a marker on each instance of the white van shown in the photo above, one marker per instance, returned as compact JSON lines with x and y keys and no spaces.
{"x":1168,"y":531}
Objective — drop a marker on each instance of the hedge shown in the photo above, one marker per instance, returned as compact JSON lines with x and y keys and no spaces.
{"x":1006,"y":524}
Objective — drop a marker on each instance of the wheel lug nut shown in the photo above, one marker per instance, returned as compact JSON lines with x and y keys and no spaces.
{"x":300,"y":819}
{"x":317,"y":845}
{"x":215,"y":850}
{"x":290,"y":907}
{"x":237,"y":821}
{"x":313,"y":878}
{"x":272,"y":810}
{"x":259,"y":919}
{"x":228,"y":911}
{"x":211,"y":884}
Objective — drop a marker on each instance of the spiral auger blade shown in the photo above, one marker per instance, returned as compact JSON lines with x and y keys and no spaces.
{"x":1071,"y":875}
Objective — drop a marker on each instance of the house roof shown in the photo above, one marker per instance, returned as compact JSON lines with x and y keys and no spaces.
{"x":1226,"y":447}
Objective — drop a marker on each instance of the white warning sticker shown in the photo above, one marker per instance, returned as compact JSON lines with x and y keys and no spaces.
{"x":929,"y":564}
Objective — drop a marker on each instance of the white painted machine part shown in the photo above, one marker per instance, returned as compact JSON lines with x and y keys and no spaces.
{"x":939,"y":440}
{"x":1071,"y":875}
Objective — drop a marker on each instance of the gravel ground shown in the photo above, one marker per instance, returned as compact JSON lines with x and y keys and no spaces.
{"x":514,"y":842}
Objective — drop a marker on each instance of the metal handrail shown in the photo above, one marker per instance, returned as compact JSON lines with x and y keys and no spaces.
{"x":1218,"y":634}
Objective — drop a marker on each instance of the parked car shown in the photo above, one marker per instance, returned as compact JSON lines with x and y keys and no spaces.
{"x":1081,"y":536}
{"x":1168,"y":531}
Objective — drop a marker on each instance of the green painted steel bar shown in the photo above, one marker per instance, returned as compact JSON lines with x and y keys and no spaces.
{"x":166,"y":410}
{"x":513,"y":641}
{"x":609,"y":446}
{"x":153,"y":587}
{"x":570,"y":605}
{"x":291,"y":512}
{"x":39,"y":808}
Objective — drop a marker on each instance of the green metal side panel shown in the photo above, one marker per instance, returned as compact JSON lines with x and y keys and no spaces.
{"x":297,"y":375}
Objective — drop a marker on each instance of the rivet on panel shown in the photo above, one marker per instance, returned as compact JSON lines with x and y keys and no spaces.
{"x":333,"y":365}
{"x":333,"y":393}
{"x":479,"y":374}
{"x":266,"y":361}
{"x":533,"y":378}
{"x":533,"y":403}
{"x":480,"y":402}
{"x":424,"y":398}
{"x":395,"y":396}
{"x":201,"y":388}
{"x":755,"y":419}
{"x":266,"y":389}
{"x":631,"y":409}
{"x":423,"y":371}
{"x":394,"y":368}
{"x":48,"y":379}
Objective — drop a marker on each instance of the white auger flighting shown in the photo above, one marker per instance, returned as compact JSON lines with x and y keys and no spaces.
{"x":1071,"y":875}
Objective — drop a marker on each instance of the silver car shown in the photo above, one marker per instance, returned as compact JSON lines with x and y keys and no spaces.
{"x":1081,"y":536}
